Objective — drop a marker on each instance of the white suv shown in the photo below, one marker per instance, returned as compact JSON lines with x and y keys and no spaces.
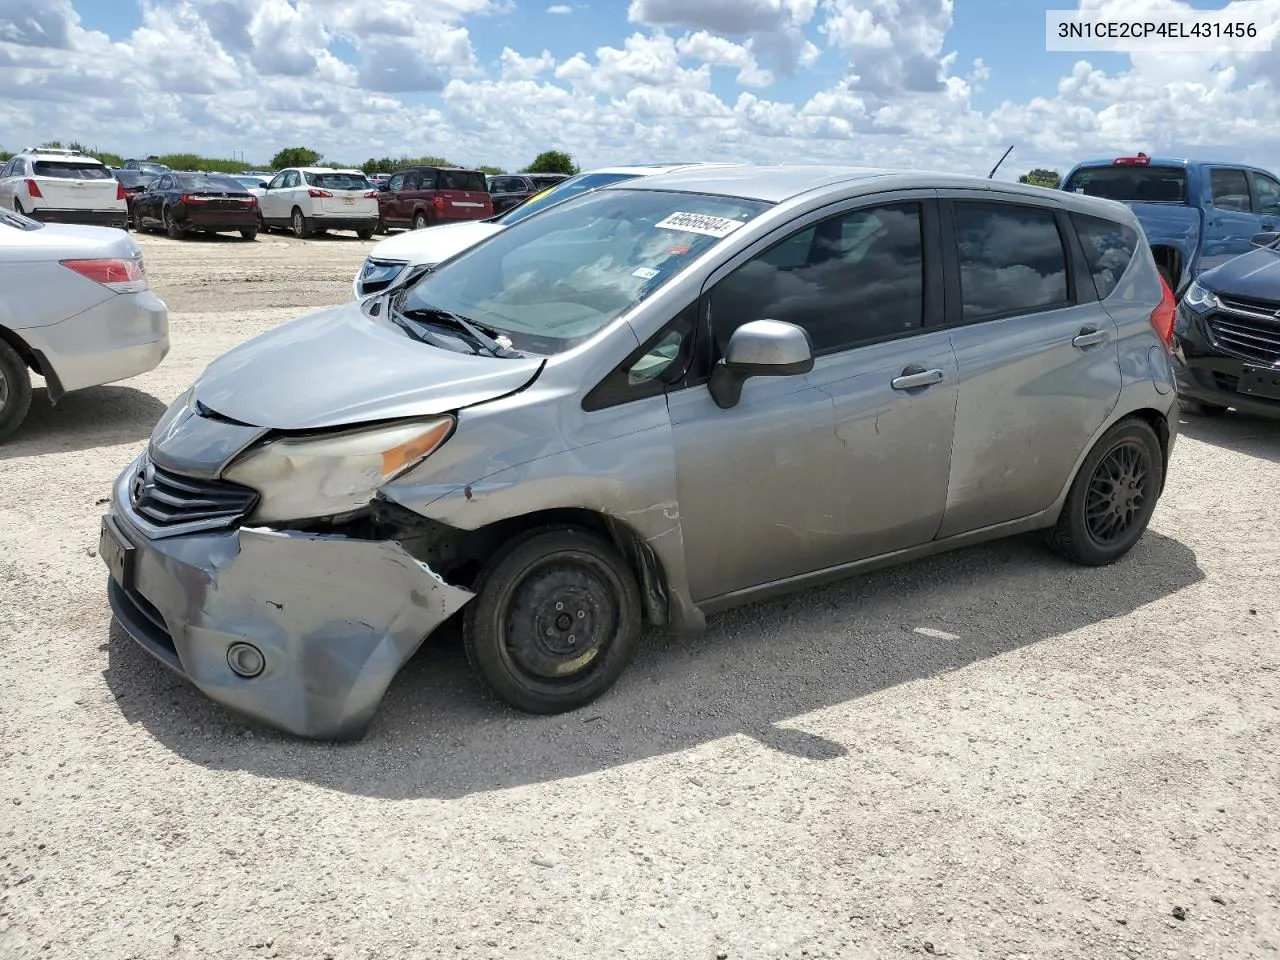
{"x":63,"y":186}
{"x":311,"y":199}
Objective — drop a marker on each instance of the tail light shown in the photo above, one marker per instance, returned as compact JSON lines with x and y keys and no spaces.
{"x":251,"y":201}
{"x":371,"y":195}
{"x":33,"y":190}
{"x":120,"y":194}
{"x":189,"y":198}
{"x":319,"y":194}
{"x":1163,"y":316}
{"x":438,"y":202}
{"x":122,"y":276}
{"x":1141,"y":160}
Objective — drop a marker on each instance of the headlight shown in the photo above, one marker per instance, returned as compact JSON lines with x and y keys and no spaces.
{"x":377,"y":274}
{"x":1200,"y":298}
{"x":298,"y":479}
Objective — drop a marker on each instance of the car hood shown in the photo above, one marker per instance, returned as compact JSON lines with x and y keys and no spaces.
{"x":434,"y":244}
{"x":1252,"y":276}
{"x":342,"y":367}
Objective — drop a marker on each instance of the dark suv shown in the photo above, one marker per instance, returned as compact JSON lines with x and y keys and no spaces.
{"x":1226,"y":342}
{"x":512,"y":189}
{"x":424,"y":196}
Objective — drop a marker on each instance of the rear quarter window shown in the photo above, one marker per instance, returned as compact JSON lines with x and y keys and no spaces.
{"x":1131,"y":184}
{"x":1108,"y":249}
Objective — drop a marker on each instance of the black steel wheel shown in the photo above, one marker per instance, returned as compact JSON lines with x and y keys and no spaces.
{"x":15,"y":390}
{"x":555,"y":620}
{"x":1113,"y":496}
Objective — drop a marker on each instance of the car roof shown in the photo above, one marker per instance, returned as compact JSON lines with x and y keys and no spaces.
{"x":324,"y":170}
{"x":774,"y":183}
{"x":51,"y":154}
{"x":1164,"y":162}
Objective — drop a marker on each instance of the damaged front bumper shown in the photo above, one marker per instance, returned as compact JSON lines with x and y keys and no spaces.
{"x":333,"y":618}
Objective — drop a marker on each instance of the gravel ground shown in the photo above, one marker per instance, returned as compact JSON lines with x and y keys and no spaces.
{"x":986,"y":754}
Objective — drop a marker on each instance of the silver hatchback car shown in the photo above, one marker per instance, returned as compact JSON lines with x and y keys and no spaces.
{"x":644,"y":405}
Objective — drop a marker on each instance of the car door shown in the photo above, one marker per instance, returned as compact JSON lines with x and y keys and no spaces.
{"x":145,"y":204}
{"x":389,"y":200}
{"x":1266,"y":198}
{"x":7,"y":180}
{"x":850,"y":460}
{"x":1230,"y":220}
{"x":273,"y":198}
{"x":1039,"y":365}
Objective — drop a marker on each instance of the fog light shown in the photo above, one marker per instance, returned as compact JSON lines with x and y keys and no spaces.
{"x":245,"y":660}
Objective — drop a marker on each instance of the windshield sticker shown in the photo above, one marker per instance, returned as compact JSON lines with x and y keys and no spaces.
{"x":644,"y":273}
{"x":699,"y":223}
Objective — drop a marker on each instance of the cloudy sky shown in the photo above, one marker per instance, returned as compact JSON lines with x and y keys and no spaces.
{"x":942,"y":84}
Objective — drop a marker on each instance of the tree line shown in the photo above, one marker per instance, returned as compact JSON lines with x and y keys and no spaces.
{"x":550,"y":161}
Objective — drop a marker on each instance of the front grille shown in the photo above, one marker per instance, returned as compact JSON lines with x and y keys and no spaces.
{"x":1247,"y":330}
{"x":168,"y":499}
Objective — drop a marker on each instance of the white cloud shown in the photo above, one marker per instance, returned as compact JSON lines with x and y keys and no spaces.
{"x":255,"y":75}
{"x":560,"y":9}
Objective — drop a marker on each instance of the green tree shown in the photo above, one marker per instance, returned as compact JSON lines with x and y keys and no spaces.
{"x":392,"y":164}
{"x":552,"y":161}
{"x":295,"y":157}
{"x":5,"y":155}
{"x":52,"y":145}
{"x":1042,"y":178}
{"x":491,"y":171}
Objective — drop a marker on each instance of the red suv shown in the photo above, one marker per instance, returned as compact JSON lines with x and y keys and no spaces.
{"x":425,"y":196}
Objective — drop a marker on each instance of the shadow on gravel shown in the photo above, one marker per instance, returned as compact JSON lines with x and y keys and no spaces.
{"x":1241,"y":432}
{"x":437,"y":735}
{"x":84,"y":420}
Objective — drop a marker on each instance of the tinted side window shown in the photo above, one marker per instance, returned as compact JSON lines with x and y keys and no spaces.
{"x":396,"y":183}
{"x":1268,"y":195}
{"x":1108,"y":248}
{"x":1230,"y":190}
{"x":413,"y":181}
{"x":853,"y":278}
{"x":428,"y":180}
{"x":1011,"y":260}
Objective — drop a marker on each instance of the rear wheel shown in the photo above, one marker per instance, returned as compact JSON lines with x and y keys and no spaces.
{"x":15,"y":390}
{"x":17,"y":206}
{"x":174,"y":231}
{"x":365,"y":233}
{"x":1198,"y":408}
{"x":1113,"y":496}
{"x":301,"y":228}
{"x":555,"y":620}
{"x":249,"y":233}
{"x":419,"y":220}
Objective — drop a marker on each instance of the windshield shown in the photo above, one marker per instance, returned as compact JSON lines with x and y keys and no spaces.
{"x":71,"y":170}
{"x":553,"y":281}
{"x":155,"y":169}
{"x":133,"y":178}
{"x":1134,"y":184}
{"x":18,"y":221}
{"x":212,"y":183}
{"x":250,"y":181}
{"x":573,"y":187}
{"x":337,"y":181}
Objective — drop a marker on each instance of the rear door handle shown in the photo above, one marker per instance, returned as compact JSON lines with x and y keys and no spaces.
{"x":1089,"y":337}
{"x":913,"y":377}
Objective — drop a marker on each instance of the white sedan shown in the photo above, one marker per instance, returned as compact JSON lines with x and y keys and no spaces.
{"x":75,"y":307}
{"x":307,"y":200}
{"x":395,"y":260}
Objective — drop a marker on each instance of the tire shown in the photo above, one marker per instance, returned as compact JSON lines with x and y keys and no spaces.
{"x":15,"y":390}
{"x":1197,"y":408}
{"x":1118,"y":483}
{"x":419,"y":220}
{"x":249,"y":233}
{"x":365,"y":234}
{"x":298,"y":223}
{"x":550,"y":582}
{"x":382,"y":227}
{"x":173,"y":231}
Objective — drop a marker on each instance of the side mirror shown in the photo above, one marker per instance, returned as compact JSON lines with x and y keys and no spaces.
{"x":760,"y":348}
{"x":1267,"y":239}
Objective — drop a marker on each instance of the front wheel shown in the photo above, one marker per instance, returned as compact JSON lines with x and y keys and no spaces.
{"x":15,"y":390}
{"x":1113,"y":496}
{"x":555,"y":620}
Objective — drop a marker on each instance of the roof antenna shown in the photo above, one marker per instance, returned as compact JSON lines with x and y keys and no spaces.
{"x":992,"y":174}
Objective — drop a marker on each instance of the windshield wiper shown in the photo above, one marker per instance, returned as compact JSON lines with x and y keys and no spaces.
{"x":481,"y":338}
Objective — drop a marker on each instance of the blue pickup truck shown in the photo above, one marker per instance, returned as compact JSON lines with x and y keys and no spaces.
{"x":1196,"y":215}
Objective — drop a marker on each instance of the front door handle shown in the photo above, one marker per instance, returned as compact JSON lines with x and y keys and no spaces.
{"x":1089,"y":337}
{"x":914,"y":377}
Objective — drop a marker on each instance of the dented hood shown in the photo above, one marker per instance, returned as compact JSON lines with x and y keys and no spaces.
{"x":342,"y":367}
